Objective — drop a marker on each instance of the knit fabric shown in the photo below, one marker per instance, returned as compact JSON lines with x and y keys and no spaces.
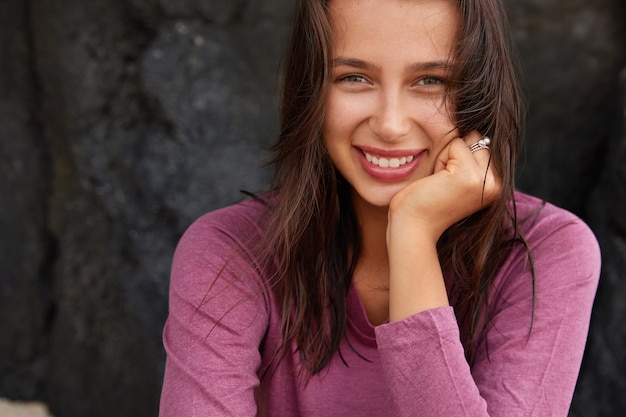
{"x":224,"y":323}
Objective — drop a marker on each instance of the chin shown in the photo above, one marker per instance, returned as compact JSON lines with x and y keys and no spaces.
{"x":378,"y":198}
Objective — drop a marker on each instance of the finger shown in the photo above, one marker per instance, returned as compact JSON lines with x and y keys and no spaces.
{"x":490,"y":180}
{"x":460,"y":149}
{"x":479,"y":146}
{"x":472,"y":137}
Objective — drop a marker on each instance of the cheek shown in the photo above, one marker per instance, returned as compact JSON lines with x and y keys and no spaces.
{"x":435,"y":112}
{"x":331,"y":119}
{"x":440,"y":125}
{"x":331,"y":132}
{"x":344,"y":112}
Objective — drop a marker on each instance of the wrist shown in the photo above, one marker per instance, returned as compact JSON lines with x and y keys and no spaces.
{"x":411,"y":228}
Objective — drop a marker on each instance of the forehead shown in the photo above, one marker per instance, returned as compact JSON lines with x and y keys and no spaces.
{"x":368,"y":25}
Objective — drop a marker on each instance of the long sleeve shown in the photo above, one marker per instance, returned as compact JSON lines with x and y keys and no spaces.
{"x":224,"y":326}
{"x":520,"y":370}
{"x":217,"y":320}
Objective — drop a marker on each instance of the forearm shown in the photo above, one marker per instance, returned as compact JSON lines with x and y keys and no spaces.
{"x":416,"y":281}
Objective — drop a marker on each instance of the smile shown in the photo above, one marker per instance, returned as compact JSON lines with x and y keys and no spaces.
{"x":388,"y":162}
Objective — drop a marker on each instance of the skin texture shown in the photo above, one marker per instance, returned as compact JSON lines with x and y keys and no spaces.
{"x":389,"y":77}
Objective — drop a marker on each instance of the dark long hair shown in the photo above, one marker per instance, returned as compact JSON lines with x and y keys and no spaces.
{"x":313,"y":237}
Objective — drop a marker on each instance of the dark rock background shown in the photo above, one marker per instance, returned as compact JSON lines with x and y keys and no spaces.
{"x":122,"y":121}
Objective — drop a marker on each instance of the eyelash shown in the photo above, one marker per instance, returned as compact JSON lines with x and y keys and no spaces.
{"x":351,"y":78}
{"x":430,"y":81}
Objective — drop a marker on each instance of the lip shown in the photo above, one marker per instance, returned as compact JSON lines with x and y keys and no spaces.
{"x":389,"y":174}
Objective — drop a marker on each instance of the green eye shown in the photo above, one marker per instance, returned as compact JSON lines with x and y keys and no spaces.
{"x":353,"y":78}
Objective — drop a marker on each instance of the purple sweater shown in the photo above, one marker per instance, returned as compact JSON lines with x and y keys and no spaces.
{"x":221,"y":332}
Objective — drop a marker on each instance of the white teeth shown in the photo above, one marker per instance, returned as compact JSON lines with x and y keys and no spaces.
{"x":388,"y":163}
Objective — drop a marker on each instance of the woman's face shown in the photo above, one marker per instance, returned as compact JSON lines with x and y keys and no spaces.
{"x":386,"y":119}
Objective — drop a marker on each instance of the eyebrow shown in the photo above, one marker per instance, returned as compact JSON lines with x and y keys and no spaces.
{"x":370,"y":66}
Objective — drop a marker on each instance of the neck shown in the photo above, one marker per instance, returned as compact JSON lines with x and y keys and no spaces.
{"x":371,"y":275}
{"x":373,"y":225}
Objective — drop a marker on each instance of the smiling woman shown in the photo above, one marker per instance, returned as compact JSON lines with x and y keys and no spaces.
{"x":392,"y":269}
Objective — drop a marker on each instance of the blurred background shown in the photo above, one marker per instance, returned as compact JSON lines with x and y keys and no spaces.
{"x":121,"y":121}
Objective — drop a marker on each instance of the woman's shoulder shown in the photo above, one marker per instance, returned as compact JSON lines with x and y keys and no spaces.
{"x":228,"y":237}
{"x":557,"y":240}
{"x":246,"y":213}
{"x":540,"y":220}
{"x":242,"y":223}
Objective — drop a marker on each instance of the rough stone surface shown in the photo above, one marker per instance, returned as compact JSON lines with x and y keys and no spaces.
{"x":121,"y":122}
{"x":25,"y":247}
{"x":571,"y":54}
{"x":220,"y":12}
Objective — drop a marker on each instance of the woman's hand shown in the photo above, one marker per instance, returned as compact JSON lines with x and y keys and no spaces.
{"x":462,"y":183}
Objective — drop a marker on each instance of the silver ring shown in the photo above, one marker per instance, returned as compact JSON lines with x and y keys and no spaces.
{"x":481,"y":144}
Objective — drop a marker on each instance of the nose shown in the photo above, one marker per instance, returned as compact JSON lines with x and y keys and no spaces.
{"x":392,"y":120}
